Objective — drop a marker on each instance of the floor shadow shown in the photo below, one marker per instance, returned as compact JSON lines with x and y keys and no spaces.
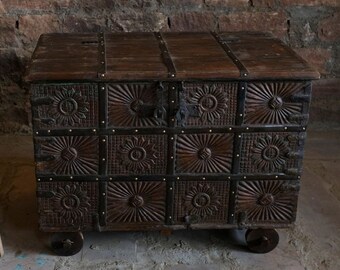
{"x":19,"y":230}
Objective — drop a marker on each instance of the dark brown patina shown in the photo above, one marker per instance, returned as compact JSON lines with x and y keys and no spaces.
{"x":140,"y":131}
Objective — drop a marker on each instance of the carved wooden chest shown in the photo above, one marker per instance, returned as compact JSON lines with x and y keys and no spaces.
{"x":139,"y":131}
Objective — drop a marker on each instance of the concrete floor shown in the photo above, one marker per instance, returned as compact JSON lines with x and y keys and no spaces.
{"x":314,"y":243}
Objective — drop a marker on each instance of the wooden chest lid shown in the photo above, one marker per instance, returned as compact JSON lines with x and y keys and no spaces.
{"x":165,"y":56}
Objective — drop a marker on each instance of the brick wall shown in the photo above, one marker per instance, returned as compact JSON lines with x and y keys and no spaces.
{"x":311,"y":27}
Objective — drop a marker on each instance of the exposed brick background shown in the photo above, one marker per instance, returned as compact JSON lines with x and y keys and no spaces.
{"x":311,"y":27}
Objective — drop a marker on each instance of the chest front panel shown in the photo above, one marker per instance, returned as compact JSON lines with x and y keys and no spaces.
{"x":180,"y":153}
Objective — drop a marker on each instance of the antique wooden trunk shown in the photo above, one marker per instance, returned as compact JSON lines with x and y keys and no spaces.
{"x":139,"y":131}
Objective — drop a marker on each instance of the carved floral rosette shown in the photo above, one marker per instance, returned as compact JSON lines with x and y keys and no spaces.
{"x":71,"y":203}
{"x":137,"y":154}
{"x":201,"y":201}
{"x":213,"y":103}
{"x":65,"y":105}
{"x":271,"y":152}
{"x":67,"y":206}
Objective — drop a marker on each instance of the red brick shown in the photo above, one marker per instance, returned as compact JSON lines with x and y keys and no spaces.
{"x":329,"y":28}
{"x":181,"y":3}
{"x":8,"y":38}
{"x":193,"y":21}
{"x":34,"y":5}
{"x":332,"y":3}
{"x":264,"y":3}
{"x":138,"y":21}
{"x":227,"y":3}
{"x":316,"y":57}
{"x":274,"y":22}
{"x":83,"y":24}
{"x":32,"y":26}
{"x":131,"y":3}
{"x":2,"y":9}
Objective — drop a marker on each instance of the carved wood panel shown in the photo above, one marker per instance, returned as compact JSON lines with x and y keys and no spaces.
{"x":137,"y":154}
{"x":204,"y":153}
{"x":67,"y":206}
{"x":273,"y":103}
{"x":67,"y":155}
{"x":210,"y":104}
{"x":137,"y":105}
{"x":65,"y":106}
{"x":266,"y":201}
{"x":271,"y":152}
{"x":201,"y":202}
{"x":135,"y":203}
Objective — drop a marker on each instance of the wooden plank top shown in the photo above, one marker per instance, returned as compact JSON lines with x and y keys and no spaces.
{"x":165,"y":56}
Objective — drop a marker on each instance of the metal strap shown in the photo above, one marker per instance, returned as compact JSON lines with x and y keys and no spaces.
{"x":101,"y":55}
{"x":243,"y":71}
{"x":166,"y":55}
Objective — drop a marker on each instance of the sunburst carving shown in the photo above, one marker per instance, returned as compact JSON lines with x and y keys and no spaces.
{"x":71,"y":203}
{"x":135,"y":202}
{"x":132,"y":104}
{"x":66,"y":205}
{"x":69,"y":107}
{"x":269,"y":103}
{"x":137,"y":154}
{"x":201,"y":200}
{"x":204,"y":153}
{"x":72,"y":155}
{"x":270,"y":153}
{"x":266,"y":200}
{"x":211,"y":100}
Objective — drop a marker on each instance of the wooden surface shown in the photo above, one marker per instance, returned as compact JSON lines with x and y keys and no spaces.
{"x":167,"y":129}
{"x":135,"y":56}
{"x":1,"y":248}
